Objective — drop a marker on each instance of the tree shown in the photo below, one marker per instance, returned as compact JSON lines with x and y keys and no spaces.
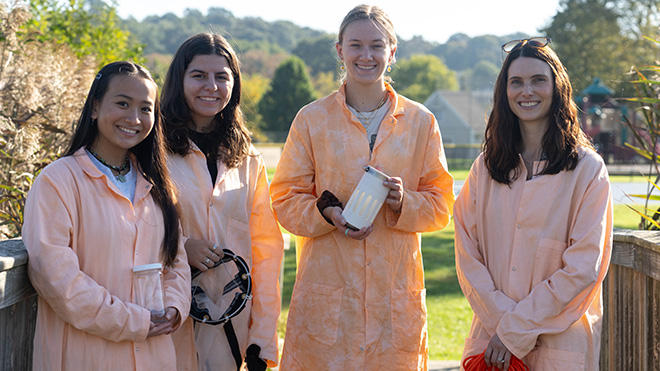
{"x":289,"y":90}
{"x":421,"y":75}
{"x":483,"y":76}
{"x":597,"y":39}
{"x":319,"y":54}
{"x":88,"y":28}
{"x":43,"y":89}
{"x":253,"y":88}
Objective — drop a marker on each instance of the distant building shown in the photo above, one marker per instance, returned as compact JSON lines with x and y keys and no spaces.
{"x":462,"y":117}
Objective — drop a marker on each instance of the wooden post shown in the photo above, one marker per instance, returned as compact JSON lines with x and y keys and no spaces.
{"x":18,"y":308}
{"x":631,"y":293}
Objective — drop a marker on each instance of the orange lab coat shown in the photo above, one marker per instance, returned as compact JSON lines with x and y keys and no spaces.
{"x":531,"y":258}
{"x":83,"y":238}
{"x":360,"y":305}
{"x":236,"y":214}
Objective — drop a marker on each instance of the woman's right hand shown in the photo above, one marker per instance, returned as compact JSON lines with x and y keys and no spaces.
{"x":202,"y":254}
{"x":497,"y":355}
{"x":334,"y":213}
{"x":164,"y":324}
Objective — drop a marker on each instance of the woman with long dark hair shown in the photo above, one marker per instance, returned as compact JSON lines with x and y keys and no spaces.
{"x":533,"y":223}
{"x":93,"y":215}
{"x":223,"y":195}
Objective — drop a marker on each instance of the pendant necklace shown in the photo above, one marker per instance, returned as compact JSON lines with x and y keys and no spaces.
{"x":119,"y":169}
{"x":366,"y":118}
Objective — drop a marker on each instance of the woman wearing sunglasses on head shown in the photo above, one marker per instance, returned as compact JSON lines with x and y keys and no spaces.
{"x":533,"y":223}
{"x":359,"y":298}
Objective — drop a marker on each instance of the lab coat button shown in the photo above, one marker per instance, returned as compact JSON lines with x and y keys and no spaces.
{"x":519,"y":226}
{"x":513,"y":269}
{"x":137,"y":349}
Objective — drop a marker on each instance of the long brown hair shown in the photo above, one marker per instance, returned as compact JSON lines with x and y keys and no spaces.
{"x":150,"y":153}
{"x":503,"y":138}
{"x":229,"y":129}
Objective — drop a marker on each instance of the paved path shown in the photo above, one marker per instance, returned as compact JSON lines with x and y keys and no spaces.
{"x":444,"y":365}
{"x":433,"y":366}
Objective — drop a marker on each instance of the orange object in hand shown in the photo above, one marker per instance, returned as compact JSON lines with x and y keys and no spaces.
{"x":478,"y":363}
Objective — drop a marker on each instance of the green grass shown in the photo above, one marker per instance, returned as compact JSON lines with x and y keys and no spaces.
{"x":449,"y":314}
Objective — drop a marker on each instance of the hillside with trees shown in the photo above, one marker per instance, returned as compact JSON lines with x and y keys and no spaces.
{"x":49,"y":51}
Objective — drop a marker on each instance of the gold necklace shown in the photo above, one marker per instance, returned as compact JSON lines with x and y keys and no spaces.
{"x":367,"y":118}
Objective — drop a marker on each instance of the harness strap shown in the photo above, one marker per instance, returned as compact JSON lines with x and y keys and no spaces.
{"x":233,"y":343}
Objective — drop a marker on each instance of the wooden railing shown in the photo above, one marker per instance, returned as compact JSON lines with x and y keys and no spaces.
{"x":631,"y":292}
{"x":18,"y":308}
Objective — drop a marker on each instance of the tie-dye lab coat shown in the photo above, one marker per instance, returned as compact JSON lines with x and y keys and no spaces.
{"x":360,"y":305}
{"x":531,"y":258}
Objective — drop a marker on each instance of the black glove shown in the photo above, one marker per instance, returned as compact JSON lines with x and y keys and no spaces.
{"x":254,"y":363}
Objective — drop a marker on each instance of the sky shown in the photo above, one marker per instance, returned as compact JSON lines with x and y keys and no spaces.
{"x":434,"y":20}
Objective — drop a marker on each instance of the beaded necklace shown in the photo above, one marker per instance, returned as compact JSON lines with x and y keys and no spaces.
{"x":119,"y":169}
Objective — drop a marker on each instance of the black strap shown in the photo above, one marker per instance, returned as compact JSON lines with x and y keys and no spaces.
{"x":233,"y":344}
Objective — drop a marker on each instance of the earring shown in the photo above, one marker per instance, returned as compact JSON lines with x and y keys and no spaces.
{"x":389,"y":69}
{"x":342,"y":66}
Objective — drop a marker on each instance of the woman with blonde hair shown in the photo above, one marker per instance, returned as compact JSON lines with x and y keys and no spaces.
{"x":359,"y":298}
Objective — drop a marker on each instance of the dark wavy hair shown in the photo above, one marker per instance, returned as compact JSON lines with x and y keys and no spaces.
{"x":503,"y":138}
{"x":229,"y":129}
{"x":150,"y":153}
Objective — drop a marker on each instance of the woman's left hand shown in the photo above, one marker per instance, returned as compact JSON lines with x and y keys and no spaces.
{"x":497,"y":354}
{"x":395,"y":195}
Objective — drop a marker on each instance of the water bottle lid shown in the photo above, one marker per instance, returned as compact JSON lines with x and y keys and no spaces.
{"x":147,"y":267}
{"x":375,"y":172}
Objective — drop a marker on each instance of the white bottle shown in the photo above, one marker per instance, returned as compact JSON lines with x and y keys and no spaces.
{"x":366,"y":200}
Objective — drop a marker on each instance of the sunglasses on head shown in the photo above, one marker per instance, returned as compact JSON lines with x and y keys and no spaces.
{"x":536,"y":42}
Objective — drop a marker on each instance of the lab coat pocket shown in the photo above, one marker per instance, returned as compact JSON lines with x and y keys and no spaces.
{"x":548,"y":259}
{"x":549,"y":359}
{"x":238,"y":239}
{"x":317,"y":312}
{"x":408,"y":319}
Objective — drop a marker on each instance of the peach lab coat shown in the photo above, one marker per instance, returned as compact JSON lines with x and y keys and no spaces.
{"x":236,"y":213}
{"x":83,"y":238}
{"x":531,"y":258}
{"x":360,"y":305}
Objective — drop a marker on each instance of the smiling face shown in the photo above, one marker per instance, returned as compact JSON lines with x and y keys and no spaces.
{"x":125,"y":116}
{"x":207,"y":84}
{"x":530,"y":89}
{"x":366,"y":52}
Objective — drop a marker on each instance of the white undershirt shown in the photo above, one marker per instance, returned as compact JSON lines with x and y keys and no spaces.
{"x":127,"y":187}
{"x":373,"y":126}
